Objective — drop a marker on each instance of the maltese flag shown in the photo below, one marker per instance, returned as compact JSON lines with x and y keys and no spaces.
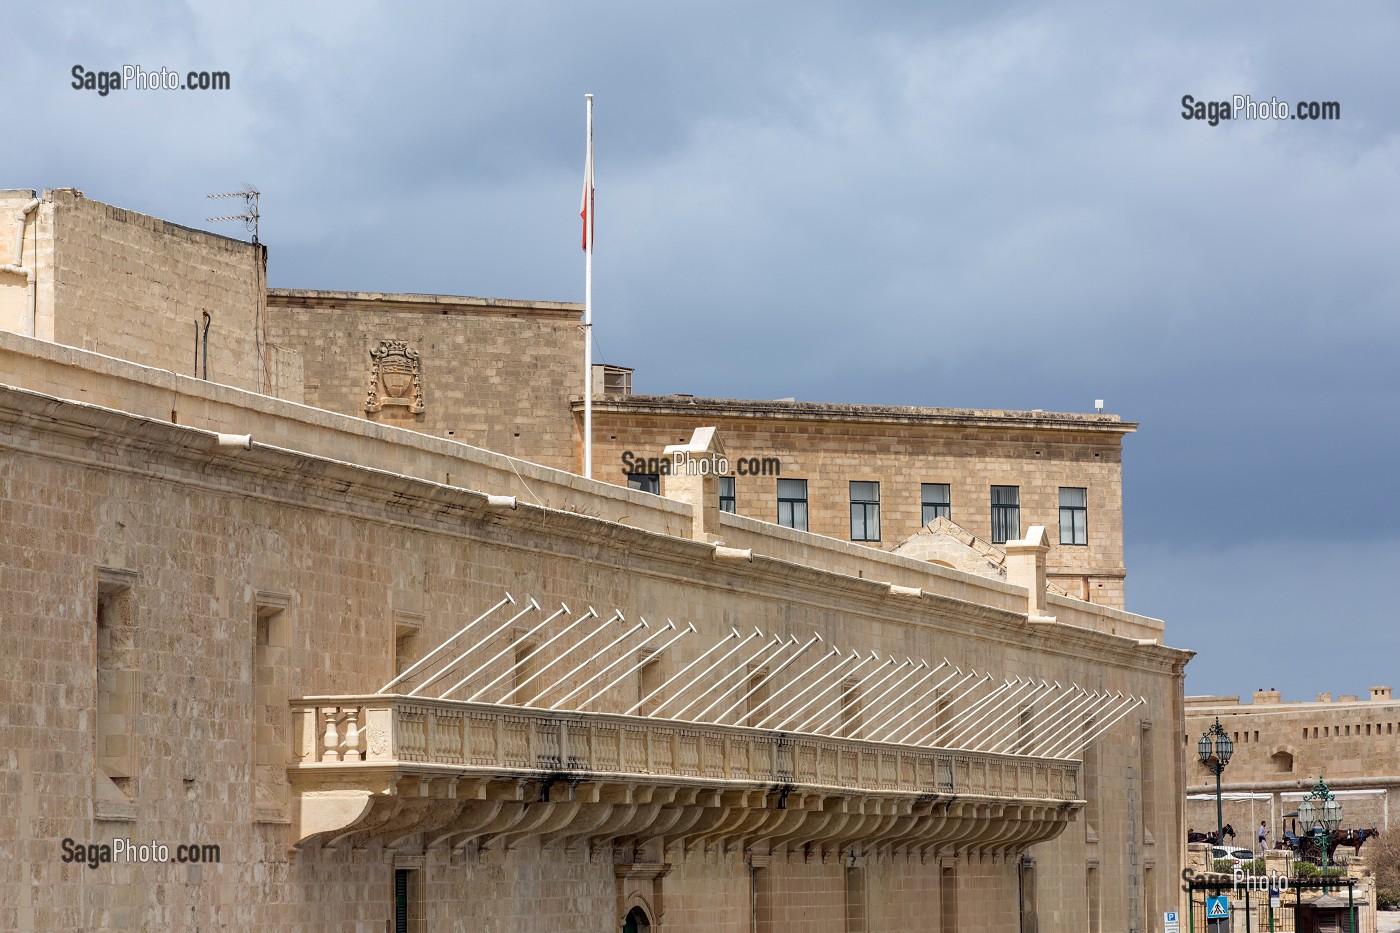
{"x":586,"y":209}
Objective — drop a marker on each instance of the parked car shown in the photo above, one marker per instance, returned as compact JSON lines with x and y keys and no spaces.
{"x":1233,"y":853}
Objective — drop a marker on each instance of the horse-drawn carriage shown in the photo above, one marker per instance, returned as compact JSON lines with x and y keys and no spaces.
{"x":1317,"y":847}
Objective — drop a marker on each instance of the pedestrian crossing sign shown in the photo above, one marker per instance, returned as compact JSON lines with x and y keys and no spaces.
{"x":1218,"y":908}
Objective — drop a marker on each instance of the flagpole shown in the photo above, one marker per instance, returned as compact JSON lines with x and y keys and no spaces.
{"x":588,"y":307}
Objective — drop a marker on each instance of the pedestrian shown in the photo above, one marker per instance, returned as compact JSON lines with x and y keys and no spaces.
{"x":1263,"y":831}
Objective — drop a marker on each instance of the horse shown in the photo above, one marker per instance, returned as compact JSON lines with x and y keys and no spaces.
{"x":1211,"y":837}
{"x":1356,"y":838}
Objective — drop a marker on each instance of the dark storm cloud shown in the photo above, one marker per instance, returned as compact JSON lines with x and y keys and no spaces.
{"x":911,"y":203}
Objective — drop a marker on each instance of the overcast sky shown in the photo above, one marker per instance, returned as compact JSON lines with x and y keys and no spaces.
{"x":906,"y":203}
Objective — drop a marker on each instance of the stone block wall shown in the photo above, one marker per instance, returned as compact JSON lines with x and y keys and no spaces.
{"x":493,"y":374}
{"x":209,"y":536}
{"x":830,"y":451}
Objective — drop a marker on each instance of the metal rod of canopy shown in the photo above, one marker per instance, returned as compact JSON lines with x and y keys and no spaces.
{"x":1093,"y":727}
{"x":443,"y":647}
{"x":875,"y":721}
{"x":902,"y":731}
{"x":1110,"y":720}
{"x":913,"y":710}
{"x":530,"y":606}
{"x":857,"y":691}
{"x":1066,"y":721}
{"x":485,"y":665}
{"x":699,"y":678}
{"x":1078,"y":714}
{"x":617,"y":616}
{"x":1048,"y":717}
{"x":839,"y":696}
{"x":1013,"y":729}
{"x":639,"y":626}
{"x":959,"y":722}
{"x":875,"y":698}
{"x":668,"y":627}
{"x":768,"y":653}
{"x":922,"y":733}
{"x":1009,"y":709}
{"x":835,"y":671}
{"x":641,"y":661}
{"x":733,"y":633}
{"x":803,"y":680}
{"x":767,"y":677}
{"x":520,"y":685}
{"x":1032,"y":726}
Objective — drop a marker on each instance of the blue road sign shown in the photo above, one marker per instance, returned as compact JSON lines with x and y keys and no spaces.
{"x":1218,"y":908}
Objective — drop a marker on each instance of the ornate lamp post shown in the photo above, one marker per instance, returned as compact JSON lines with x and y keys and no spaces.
{"x":1321,"y":815}
{"x":1214,"y":749}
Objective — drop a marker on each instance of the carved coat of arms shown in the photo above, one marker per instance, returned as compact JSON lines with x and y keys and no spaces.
{"x":395,"y":378}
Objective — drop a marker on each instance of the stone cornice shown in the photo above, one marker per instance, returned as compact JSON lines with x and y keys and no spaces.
{"x":423,"y":304}
{"x":751,"y":409}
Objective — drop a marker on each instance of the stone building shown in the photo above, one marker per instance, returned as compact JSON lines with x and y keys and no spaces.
{"x":507,"y":375}
{"x":1283,"y":747}
{"x":226,"y":591}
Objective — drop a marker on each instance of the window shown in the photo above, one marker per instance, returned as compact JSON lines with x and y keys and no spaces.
{"x":1074,"y":515}
{"x":936,"y":502}
{"x":792,"y":503}
{"x":1006,"y":514}
{"x":865,"y":511}
{"x":726,"y":494}
{"x":118,"y":682}
{"x":646,"y":482}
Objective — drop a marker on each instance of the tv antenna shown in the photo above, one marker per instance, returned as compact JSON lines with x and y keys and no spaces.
{"x":249,"y":217}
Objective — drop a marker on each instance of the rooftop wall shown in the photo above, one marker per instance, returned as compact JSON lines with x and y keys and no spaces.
{"x":492,"y":373}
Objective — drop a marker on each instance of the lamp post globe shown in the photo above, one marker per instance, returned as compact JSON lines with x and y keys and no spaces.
{"x":1320,"y":814}
{"x":1215,"y":749}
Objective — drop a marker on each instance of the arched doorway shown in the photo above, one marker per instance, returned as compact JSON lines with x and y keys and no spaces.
{"x":636,"y":921}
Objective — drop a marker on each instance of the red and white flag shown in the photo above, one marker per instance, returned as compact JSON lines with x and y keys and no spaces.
{"x":586,"y":210}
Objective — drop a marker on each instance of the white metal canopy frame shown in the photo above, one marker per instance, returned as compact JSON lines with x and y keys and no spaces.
{"x":516,"y":655}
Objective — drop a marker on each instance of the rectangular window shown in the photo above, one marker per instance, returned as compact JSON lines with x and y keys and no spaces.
{"x":1006,"y":514}
{"x":646,"y":482}
{"x":865,"y":511}
{"x":1074,"y":515}
{"x":792,"y":503}
{"x":936,"y":502}
{"x":726,"y":494}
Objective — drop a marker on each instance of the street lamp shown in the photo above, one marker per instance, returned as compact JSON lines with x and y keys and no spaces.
{"x":1214,"y":749}
{"x":1321,"y":815}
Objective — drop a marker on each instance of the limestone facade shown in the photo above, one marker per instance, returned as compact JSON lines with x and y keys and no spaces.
{"x":138,"y":288}
{"x":900,"y":448}
{"x":507,"y":376}
{"x":494,"y":373}
{"x":1283,"y":747}
{"x":207,"y":589}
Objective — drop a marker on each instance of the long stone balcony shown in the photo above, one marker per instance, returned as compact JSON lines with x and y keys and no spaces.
{"x":385,"y":767}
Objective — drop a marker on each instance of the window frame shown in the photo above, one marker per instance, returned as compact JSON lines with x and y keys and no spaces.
{"x":1003,"y":513}
{"x":732,"y":498}
{"x":791,"y":502}
{"x":946,"y":505}
{"x":634,"y":481}
{"x":1082,"y":511}
{"x":868,"y":508}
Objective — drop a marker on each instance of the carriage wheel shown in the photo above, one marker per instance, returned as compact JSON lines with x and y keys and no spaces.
{"x":1315,"y":852}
